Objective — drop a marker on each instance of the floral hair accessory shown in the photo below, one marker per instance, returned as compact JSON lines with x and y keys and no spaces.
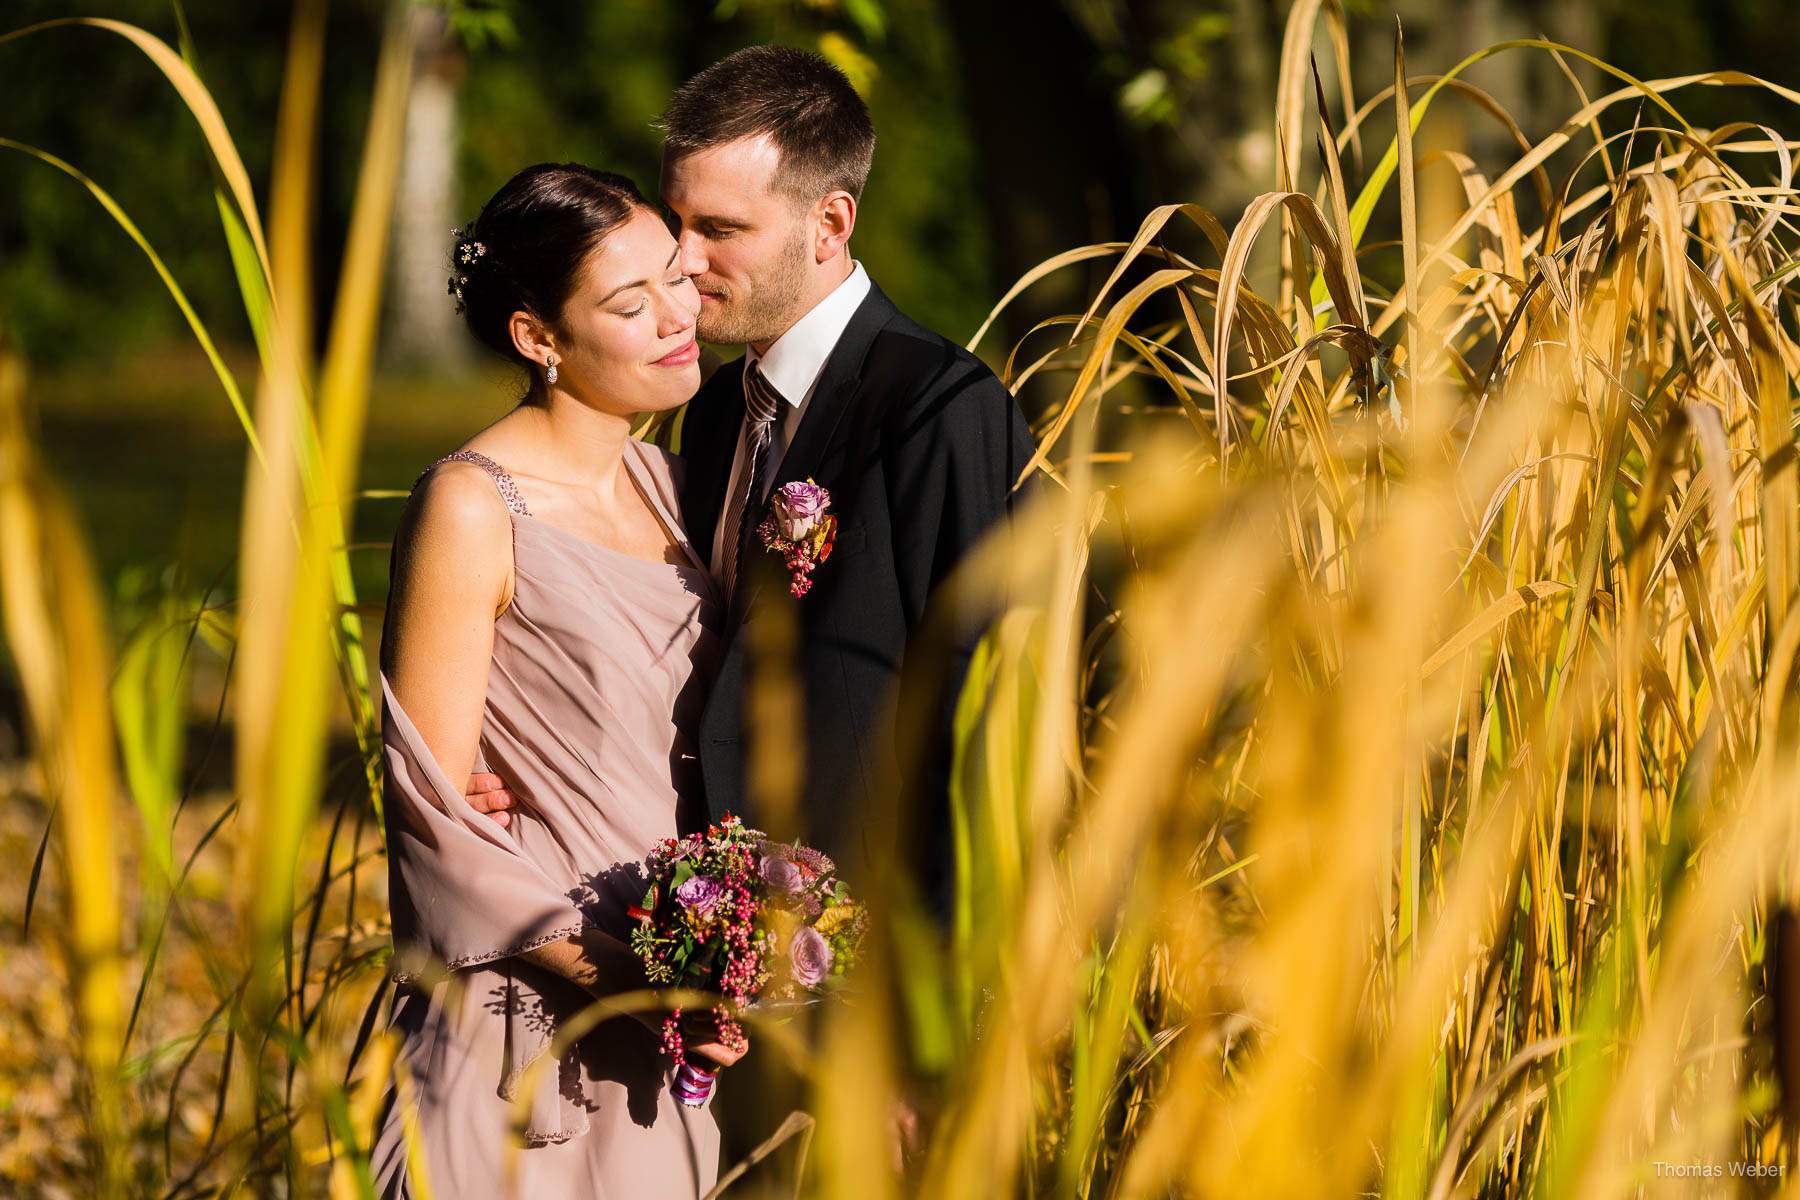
{"x":466,"y":252}
{"x":800,"y":530}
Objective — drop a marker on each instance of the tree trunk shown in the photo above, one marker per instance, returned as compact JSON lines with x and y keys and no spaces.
{"x":422,"y":327}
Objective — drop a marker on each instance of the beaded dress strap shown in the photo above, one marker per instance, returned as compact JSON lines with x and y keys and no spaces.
{"x":509,"y":491}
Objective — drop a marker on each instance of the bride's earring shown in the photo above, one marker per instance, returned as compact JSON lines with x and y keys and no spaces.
{"x":550,"y":369}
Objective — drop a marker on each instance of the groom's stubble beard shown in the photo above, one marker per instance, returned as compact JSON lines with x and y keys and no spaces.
{"x":769,"y":308}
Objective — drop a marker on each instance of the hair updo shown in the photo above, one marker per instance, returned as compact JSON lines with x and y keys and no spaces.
{"x":525,"y":251}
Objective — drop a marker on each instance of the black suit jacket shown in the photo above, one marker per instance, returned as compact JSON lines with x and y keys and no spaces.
{"x":919,"y":445}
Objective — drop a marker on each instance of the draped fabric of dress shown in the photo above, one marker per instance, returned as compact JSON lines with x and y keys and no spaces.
{"x":600,"y":667}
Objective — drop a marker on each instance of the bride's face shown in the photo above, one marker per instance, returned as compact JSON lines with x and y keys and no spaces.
{"x":625,"y":340}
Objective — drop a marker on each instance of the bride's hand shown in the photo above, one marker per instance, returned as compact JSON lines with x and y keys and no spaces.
{"x":700,"y":1036}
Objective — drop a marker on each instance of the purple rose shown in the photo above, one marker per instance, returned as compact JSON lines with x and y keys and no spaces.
{"x":809,"y":957}
{"x":699,"y":894}
{"x":780,"y":873}
{"x":798,"y":507}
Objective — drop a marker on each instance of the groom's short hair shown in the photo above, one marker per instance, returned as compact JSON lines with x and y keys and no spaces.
{"x":804,"y":104}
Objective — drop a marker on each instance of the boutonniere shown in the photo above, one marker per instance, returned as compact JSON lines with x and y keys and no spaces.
{"x":800,"y":530}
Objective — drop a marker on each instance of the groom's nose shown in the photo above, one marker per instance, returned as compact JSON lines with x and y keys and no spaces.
{"x":693,"y":257}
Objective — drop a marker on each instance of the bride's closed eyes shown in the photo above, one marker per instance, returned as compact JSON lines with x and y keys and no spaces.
{"x":671,"y":285}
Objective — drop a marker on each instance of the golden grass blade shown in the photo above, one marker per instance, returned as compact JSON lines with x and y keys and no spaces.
{"x":1237,"y":262}
{"x":350,"y":351}
{"x":1562,"y":65}
{"x":56,"y":632}
{"x":295,"y":168}
{"x":1775,"y":428}
{"x":1290,"y":86}
{"x":1340,"y":214}
{"x":798,"y":1127}
{"x":1340,"y":46}
{"x":283,"y":661}
{"x":1491,"y":617}
{"x":1148,"y":229}
{"x":1364,"y":207}
{"x":149,"y":699}
{"x":350,"y":1177}
{"x":1290,"y":141}
{"x":1411,"y":293}
{"x":1107,"y":334}
{"x":1048,"y":267}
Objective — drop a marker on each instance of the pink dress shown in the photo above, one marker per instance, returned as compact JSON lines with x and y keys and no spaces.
{"x":600,"y":668}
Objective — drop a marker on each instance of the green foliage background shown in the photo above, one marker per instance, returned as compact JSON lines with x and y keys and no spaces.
{"x":554,"y":80}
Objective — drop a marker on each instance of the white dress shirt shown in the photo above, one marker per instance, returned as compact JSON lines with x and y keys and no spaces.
{"x":792,"y":366}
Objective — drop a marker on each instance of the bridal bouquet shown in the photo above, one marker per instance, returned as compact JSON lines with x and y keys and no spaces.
{"x":732,"y":912}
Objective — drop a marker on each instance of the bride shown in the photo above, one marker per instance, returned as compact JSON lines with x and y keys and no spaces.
{"x":548,"y":621}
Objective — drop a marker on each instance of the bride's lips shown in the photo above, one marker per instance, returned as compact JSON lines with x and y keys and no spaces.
{"x":681,"y":357}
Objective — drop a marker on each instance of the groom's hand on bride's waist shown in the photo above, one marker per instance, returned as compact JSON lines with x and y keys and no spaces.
{"x":488,"y":794}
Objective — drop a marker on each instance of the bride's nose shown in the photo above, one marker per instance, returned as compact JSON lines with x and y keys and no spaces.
{"x":674,"y":316}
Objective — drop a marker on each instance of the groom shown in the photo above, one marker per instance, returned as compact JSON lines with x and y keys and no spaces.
{"x":919,"y":445}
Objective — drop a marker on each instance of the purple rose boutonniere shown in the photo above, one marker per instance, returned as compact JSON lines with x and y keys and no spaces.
{"x":800,"y":530}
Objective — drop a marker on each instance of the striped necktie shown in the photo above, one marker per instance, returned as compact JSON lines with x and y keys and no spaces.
{"x":761,"y":407}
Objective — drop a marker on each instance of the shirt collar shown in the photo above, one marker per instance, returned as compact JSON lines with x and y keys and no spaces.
{"x":794,"y":360}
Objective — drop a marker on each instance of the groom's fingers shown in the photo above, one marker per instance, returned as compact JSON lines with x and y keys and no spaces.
{"x":487,"y":794}
{"x":485,"y":784}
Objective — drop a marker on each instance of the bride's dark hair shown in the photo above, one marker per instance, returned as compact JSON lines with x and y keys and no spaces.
{"x":525,"y":251}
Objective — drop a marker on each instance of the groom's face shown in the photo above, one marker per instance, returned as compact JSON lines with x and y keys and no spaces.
{"x":747,"y":245}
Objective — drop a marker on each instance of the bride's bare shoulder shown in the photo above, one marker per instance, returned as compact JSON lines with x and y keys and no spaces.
{"x":456,"y":507}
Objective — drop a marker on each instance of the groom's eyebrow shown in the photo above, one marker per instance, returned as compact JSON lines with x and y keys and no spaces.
{"x":638,"y":283}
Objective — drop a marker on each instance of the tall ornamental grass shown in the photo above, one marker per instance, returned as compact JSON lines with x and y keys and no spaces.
{"x":1382,"y":778}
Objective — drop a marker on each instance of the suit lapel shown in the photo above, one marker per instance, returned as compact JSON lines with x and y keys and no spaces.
{"x":833,"y":397}
{"x":832,"y":400}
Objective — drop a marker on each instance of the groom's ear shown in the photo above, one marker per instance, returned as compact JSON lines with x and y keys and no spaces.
{"x":836,"y":219}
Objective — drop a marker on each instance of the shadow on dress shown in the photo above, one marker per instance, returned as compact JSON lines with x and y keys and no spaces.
{"x":621,"y":1050}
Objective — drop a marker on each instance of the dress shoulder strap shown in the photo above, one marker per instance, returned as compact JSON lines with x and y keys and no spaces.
{"x":509,"y":491}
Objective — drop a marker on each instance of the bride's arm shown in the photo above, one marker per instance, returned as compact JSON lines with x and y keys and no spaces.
{"x":452,"y":575}
{"x":597,"y":962}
